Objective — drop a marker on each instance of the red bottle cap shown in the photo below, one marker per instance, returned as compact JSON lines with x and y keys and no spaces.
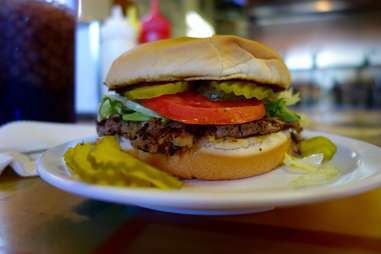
{"x":154,"y":26}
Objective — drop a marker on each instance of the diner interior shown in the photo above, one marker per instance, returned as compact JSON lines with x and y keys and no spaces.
{"x":332,"y":49}
{"x":54,"y":59}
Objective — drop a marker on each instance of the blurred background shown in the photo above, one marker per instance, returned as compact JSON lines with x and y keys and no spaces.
{"x":332,"y":47}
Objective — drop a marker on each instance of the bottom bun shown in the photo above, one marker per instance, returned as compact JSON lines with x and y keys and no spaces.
{"x":224,"y":160}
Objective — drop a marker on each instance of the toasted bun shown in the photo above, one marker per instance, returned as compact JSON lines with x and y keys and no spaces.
{"x":215,"y":58}
{"x":224,"y":160}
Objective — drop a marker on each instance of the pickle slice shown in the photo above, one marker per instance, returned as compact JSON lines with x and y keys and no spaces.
{"x":107,"y":154}
{"x":242,"y":88}
{"x":318,"y":144}
{"x":147,"y":92}
{"x":105,"y":163}
{"x":76,"y":159}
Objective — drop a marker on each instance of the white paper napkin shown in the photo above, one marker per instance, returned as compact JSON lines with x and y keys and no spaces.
{"x":22,"y":164}
{"x":21,"y":137}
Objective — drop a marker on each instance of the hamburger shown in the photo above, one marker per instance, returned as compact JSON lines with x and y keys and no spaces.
{"x":206,"y":108}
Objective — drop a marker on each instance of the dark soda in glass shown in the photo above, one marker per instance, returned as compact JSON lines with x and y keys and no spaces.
{"x":36,"y":61}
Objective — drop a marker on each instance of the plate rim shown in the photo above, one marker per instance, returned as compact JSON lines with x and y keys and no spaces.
{"x":202,"y":200}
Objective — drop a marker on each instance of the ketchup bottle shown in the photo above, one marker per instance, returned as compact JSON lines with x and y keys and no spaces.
{"x":154,"y":26}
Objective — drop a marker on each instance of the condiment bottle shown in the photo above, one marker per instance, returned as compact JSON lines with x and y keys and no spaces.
{"x":117,"y":36}
{"x":154,"y":26}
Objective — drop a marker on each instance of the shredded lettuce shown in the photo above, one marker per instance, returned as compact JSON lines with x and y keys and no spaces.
{"x":105,"y":110}
{"x":327,"y":172}
{"x":314,"y":171}
{"x":278,"y":108}
{"x":304,"y":121}
{"x":276,"y":105}
{"x":136,"y":117}
{"x":132,"y":105}
{"x":300,"y":165}
{"x":110,"y":107}
{"x":288,"y":96}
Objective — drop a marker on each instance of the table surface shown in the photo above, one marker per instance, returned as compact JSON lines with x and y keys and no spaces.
{"x":38,"y":218}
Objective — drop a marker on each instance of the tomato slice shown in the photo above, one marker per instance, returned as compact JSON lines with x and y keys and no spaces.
{"x":192,"y":108}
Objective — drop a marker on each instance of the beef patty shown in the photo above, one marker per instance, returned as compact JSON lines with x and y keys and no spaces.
{"x":170,"y":137}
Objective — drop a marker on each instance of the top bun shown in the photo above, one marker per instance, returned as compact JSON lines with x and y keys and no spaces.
{"x":219,"y":57}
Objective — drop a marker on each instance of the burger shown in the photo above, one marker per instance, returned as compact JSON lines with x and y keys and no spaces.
{"x":206,"y":108}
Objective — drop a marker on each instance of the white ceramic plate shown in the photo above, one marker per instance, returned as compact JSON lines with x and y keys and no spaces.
{"x":359,"y":162}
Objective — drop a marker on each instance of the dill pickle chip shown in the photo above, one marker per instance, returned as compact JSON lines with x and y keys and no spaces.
{"x":147,"y":92}
{"x":68,"y":157}
{"x":241,"y":88}
{"x":114,"y":177}
{"x":106,"y":164}
{"x":76,"y":159}
{"x":107,"y":154}
{"x":318,"y":144}
{"x":79,"y":156}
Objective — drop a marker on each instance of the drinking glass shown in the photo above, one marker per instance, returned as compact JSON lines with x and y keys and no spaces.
{"x":37,"y":60}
